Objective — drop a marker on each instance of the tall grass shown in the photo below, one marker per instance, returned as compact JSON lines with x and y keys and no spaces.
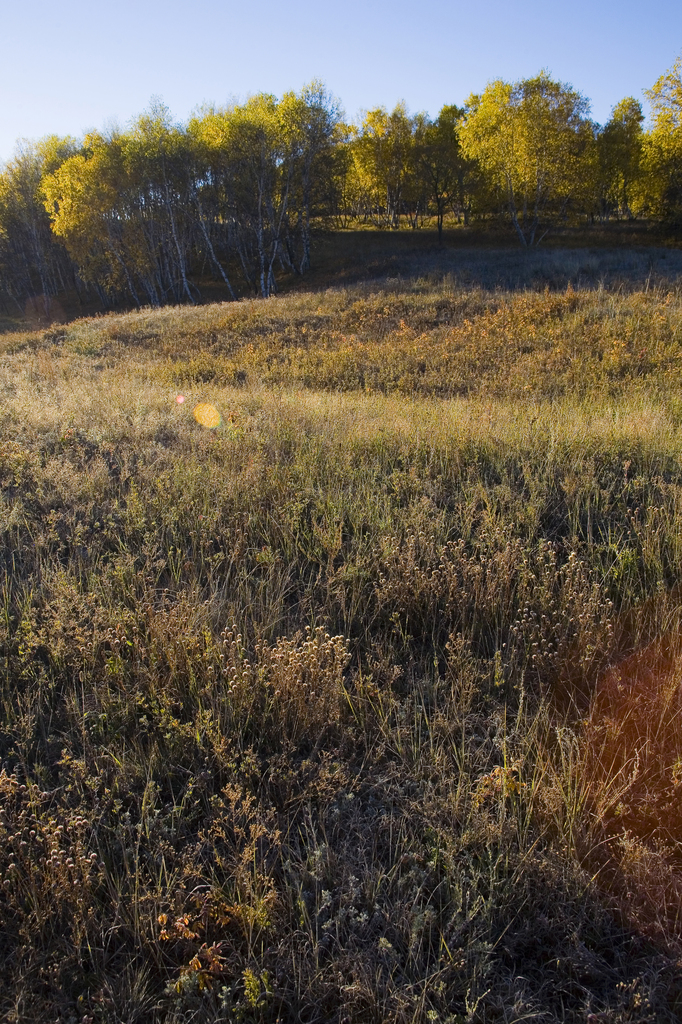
{"x":312,"y":716}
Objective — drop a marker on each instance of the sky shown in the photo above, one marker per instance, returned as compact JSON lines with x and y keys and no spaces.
{"x":72,"y":66}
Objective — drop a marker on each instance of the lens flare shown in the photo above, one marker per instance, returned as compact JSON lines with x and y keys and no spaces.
{"x":207,"y":415}
{"x":631,"y":773}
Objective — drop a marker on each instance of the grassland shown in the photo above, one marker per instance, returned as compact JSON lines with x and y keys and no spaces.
{"x":364,"y":706}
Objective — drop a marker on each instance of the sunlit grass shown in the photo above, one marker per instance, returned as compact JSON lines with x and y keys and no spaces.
{"x":308,"y":708}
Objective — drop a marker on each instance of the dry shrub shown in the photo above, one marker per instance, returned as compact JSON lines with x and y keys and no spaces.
{"x":49,"y":870}
{"x":292,"y":689}
{"x":547,"y":619}
{"x":229,"y":904}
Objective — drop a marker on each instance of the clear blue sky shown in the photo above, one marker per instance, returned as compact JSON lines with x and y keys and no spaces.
{"x":78,"y":64}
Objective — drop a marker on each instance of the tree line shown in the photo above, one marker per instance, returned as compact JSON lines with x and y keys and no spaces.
{"x":139,"y":216}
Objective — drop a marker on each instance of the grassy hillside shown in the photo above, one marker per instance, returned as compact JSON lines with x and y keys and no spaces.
{"x":363,"y":705}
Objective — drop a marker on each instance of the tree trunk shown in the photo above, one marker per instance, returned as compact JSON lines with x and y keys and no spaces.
{"x":217,"y":264}
{"x":174,"y":235}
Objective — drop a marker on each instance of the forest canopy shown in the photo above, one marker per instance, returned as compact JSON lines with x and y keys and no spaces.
{"x":142,"y":215}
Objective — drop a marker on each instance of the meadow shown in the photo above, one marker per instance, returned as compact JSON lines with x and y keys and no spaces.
{"x":364,"y":705}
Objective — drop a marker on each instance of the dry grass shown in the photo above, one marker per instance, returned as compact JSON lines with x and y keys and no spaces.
{"x":316,"y":716}
{"x":418,"y":340}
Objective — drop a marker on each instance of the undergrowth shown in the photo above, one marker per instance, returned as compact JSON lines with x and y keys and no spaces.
{"x":340,"y":711}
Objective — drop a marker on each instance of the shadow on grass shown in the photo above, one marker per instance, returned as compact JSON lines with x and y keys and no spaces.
{"x":490,"y":260}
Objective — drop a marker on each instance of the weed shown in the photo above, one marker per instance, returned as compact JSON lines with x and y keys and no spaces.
{"x":362,"y":704}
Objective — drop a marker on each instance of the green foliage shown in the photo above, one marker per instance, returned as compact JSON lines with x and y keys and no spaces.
{"x":139,"y":209}
{"x":230,"y":201}
{"x":663,"y":150}
{"x":382,"y":152}
{"x":32,"y":262}
{"x":619,"y":151}
{"x":531,"y":138}
{"x":447,"y":175}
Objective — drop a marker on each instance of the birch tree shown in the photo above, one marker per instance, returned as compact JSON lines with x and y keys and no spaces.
{"x":663,"y":146}
{"x":531,"y":139}
{"x":442,"y":165}
{"x":94,"y":202}
{"x":382,"y":150}
{"x":619,"y":152}
{"x":32,"y":260}
{"x":311,"y":122}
